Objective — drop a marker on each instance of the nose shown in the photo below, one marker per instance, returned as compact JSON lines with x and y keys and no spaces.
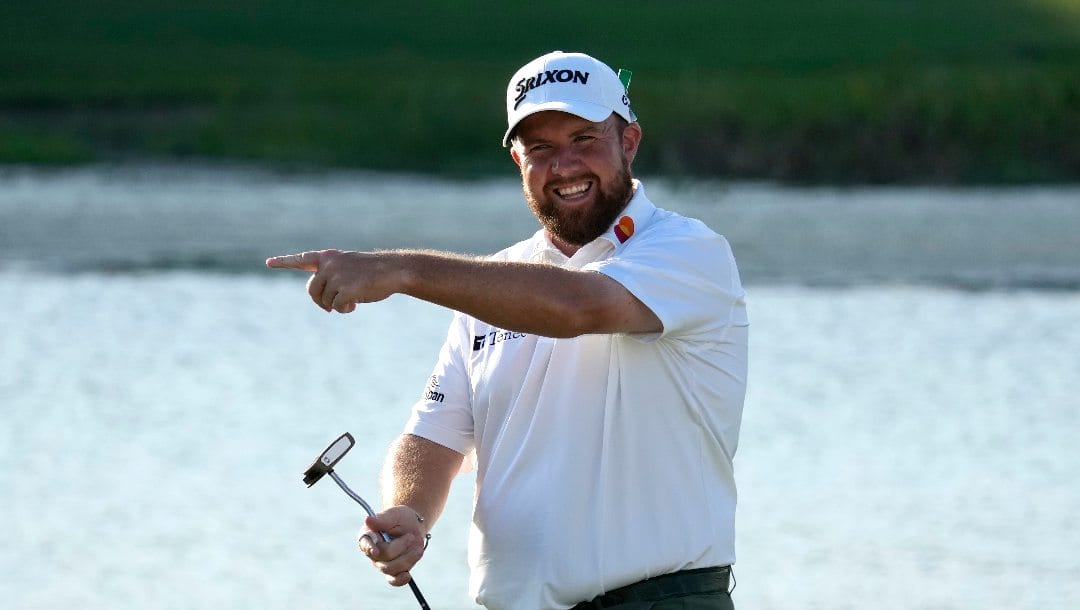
{"x":564,"y":162}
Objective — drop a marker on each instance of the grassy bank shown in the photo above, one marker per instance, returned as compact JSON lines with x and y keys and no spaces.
{"x":852,"y":91}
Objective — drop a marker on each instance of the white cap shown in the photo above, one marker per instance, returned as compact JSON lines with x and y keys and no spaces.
{"x":568,"y":82}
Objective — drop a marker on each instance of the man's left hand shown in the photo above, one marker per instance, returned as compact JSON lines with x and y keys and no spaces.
{"x":395,"y":558}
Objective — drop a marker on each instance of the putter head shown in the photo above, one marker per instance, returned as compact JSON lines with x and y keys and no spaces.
{"x":329,"y":457}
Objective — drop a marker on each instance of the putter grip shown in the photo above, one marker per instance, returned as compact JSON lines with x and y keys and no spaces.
{"x":419,"y":595}
{"x":412,"y":583}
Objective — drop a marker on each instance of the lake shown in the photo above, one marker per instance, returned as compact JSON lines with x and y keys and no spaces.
{"x":909,"y":438}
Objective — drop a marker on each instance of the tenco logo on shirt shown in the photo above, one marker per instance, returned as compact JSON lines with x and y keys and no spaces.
{"x":494,"y":337}
{"x":526,"y":85}
{"x":432,"y":391}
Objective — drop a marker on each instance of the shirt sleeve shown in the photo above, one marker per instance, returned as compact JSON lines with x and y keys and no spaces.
{"x":686,"y":274}
{"x":444,"y":412}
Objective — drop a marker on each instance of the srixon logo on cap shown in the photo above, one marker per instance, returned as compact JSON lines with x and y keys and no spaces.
{"x":525,"y":85}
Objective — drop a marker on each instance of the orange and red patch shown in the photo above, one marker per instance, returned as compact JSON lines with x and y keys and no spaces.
{"x":624,"y":229}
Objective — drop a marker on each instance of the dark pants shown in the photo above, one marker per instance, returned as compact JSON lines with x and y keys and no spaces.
{"x":705,"y":589}
{"x":694,"y":601}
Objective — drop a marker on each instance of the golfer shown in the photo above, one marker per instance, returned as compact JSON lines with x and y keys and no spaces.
{"x":593,"y":374}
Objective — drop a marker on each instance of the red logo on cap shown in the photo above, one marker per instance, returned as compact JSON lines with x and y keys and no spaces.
{"x":624,"y":229}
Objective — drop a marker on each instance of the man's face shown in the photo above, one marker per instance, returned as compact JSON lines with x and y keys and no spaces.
{"x":575,"y":173}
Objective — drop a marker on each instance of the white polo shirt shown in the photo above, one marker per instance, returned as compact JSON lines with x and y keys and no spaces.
{"x":604,"y":459}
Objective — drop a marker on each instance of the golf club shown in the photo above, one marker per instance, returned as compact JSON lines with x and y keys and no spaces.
{"x":324,"y":465}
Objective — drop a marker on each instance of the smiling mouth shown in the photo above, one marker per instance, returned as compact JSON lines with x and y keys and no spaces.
{"x":575,"y":191}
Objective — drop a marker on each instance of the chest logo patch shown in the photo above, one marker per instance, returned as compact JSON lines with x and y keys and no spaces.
{"x":624,"y":229}
{"x":493,"y":338}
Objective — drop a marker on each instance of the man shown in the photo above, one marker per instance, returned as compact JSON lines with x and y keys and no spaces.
{"x":594,"y":372}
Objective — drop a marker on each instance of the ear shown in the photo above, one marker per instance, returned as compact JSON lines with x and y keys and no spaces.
{"x":515,"y":155}
{"x":631,"y":138}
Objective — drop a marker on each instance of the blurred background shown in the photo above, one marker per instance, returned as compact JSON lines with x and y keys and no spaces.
{"x":880,"y":91}
{"x":900,"y":181}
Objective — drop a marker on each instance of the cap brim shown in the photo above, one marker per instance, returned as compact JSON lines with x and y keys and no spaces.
{"x":586,"y":110}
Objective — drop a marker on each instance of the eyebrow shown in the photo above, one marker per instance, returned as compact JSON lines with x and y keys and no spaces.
{"x":588,"y":127}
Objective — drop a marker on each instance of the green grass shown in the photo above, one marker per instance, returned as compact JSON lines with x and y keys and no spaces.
{"x":861,"y":90}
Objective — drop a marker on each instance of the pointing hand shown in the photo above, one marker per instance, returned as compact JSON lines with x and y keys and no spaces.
{"x":339,"y":279}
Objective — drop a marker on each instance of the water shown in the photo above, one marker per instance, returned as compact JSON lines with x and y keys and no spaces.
{"x":909,"y":439}
{"x":207,"y":218}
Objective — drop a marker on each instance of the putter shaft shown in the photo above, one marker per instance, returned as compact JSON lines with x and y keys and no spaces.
{"x":367,"y":507}
{"x":352,"y":494}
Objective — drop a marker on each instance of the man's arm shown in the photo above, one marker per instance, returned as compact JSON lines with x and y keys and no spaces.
{"x":417,"y":474}
{"x":525,"y":297}
{"x":415,"y":484}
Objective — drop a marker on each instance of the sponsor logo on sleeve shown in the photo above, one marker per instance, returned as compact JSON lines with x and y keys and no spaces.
{"x":431,"y":392}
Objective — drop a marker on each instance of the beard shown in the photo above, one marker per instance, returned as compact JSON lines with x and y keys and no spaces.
{"x":580,"y":226}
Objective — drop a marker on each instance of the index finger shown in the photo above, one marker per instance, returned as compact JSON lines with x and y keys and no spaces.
{"x":304,"y":261}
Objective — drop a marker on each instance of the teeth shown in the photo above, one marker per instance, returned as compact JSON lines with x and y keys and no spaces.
{"x":573,"y":190}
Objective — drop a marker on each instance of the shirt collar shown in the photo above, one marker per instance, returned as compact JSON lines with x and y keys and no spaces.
{"x":637,"y":213}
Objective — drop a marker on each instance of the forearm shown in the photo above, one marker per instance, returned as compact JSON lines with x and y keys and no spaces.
{"x":526,"y":297}
{"x":417,"y":474}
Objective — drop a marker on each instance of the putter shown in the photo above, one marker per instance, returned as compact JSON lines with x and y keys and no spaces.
{"x":324,"y":465}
